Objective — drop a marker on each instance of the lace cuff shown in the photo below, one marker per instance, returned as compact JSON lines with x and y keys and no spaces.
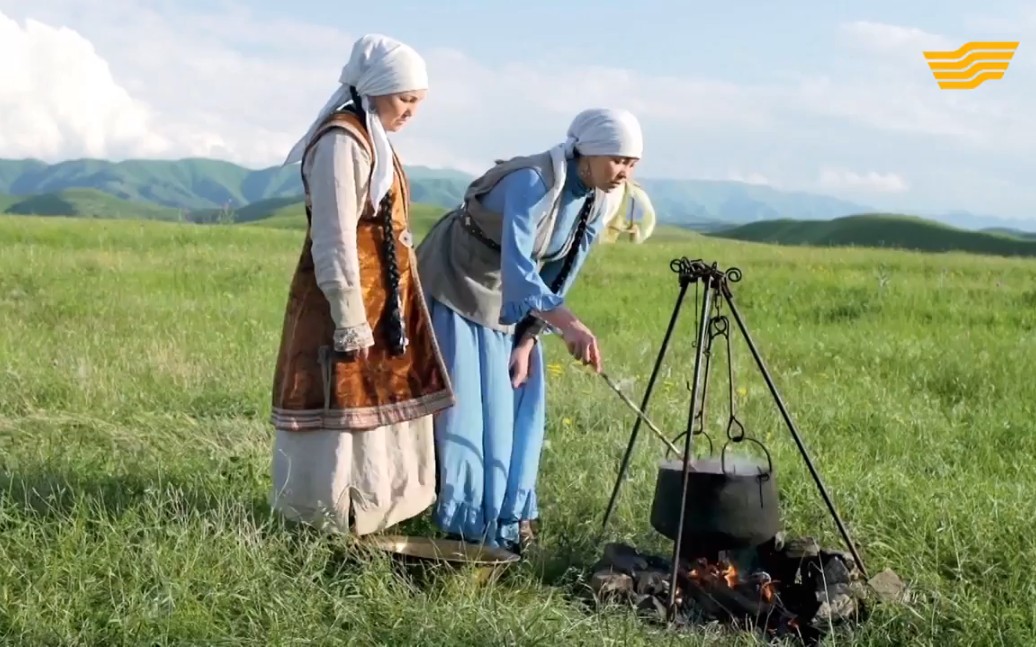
{"x":353,"y":338}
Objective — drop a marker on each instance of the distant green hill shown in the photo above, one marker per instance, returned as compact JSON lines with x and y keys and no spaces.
{"x":90,"y":203}
{"x":258,"y":210}
{"x":291,"y":215}
{"x":264,"y":209}
{"x":1013,"y":233}
{"x":206,"y":190}
{"x":203,"y":186}
{"x":880,"y":230}
{"x":864,"y":230}
{"x":84,"y":203}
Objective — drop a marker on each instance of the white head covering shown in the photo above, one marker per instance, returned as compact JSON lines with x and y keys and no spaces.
{"x":599,"y":131}
{"x":605,"y":131}
{"x":378,"y":65}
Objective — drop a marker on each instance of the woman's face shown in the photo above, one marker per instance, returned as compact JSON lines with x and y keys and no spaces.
{"x":396,"y":110}
{"x":607,"y":173}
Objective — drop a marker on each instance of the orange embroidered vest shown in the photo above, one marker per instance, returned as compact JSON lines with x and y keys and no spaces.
{"x":385,"y":387}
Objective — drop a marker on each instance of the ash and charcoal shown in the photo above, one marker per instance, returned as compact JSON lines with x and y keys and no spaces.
{"x":793,"y":589}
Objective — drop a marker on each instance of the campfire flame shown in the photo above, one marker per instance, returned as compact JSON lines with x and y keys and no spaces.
{"x":724,"y":573}
{"x":713,"y":573}
{"x":766,"y":590}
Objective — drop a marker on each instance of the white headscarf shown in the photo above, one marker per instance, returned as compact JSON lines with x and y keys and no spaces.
{"x":378,"y":65}
{"x":605,"y":131}
{"x":599,"y":131}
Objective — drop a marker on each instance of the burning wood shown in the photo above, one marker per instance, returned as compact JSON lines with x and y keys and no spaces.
{"x":795,"y":590}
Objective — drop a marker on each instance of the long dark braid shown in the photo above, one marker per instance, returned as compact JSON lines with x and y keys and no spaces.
{"x":394,"y":301}
{"x":396,"y":331}
{"x":566,"y":266}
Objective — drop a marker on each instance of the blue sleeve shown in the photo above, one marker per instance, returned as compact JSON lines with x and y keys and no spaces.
{"x":553,"y":268}
{"x":516,"y":197}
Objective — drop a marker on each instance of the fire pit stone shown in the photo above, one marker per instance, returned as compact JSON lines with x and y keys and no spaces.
{"x":790,"y":588}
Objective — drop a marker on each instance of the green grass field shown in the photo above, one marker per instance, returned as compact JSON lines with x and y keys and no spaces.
{"x":135,"y":369}
{"x":293,"y":216}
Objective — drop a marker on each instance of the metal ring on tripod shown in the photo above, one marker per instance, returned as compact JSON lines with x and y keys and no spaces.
{"x":738,"y":438}
{"x":681,"y":265}
{"x":719,"y":325}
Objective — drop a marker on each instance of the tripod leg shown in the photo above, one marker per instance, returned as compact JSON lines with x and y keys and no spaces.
{"x":699,"y":351}
{"x":643,"y":405}
{"x":794,"y":433}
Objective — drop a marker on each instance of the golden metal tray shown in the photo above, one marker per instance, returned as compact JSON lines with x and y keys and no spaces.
{"x":442,"y":550}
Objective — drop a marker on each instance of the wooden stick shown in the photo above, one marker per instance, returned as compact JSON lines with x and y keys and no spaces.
{"x":640,"y":414}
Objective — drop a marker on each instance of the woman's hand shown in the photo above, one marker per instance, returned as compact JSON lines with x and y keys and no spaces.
{"x":581,"y":342}
{"x":521,"y":359}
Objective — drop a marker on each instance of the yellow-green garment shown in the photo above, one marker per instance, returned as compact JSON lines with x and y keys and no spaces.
{"x":635,"y":219}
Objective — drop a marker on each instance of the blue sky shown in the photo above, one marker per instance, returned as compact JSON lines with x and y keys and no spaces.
{"x":814,"y":96}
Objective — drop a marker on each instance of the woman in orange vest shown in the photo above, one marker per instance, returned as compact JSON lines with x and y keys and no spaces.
{"x":358,"y":375}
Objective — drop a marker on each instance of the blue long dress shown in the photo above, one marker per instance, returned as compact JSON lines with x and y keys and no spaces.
{"x":489,"y":443}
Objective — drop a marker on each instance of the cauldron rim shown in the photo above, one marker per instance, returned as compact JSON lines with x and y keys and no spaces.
{"x":735,"y":466}
{"x":732,"y":509}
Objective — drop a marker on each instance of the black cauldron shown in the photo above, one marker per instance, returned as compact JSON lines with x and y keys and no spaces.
{"x":731,"y":504}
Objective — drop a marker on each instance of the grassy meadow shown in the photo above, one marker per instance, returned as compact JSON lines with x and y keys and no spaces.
{"x":135,"y":370}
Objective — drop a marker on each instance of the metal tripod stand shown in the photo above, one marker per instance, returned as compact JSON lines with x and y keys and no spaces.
{"x":716,"y":286}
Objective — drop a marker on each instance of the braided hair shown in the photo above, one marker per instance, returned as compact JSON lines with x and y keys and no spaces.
{"x":396,"y":332}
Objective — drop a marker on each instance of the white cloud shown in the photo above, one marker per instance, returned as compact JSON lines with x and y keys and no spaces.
{"x":182,"y":88}
{"x":870,"y":182}
{"x":196,"y":89}
{"x":58,"y":98}
{"x":163,"y":80}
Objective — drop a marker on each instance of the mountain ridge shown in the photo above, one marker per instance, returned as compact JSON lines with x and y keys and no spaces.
{"x":197,"y":185}
{"x":875,"y":230}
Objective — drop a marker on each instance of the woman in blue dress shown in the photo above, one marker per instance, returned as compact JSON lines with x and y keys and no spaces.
{"x":496,"y":271}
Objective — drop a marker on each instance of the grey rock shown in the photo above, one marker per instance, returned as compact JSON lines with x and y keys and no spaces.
{"x":609,"y":584}
{"x":888,"y":587}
